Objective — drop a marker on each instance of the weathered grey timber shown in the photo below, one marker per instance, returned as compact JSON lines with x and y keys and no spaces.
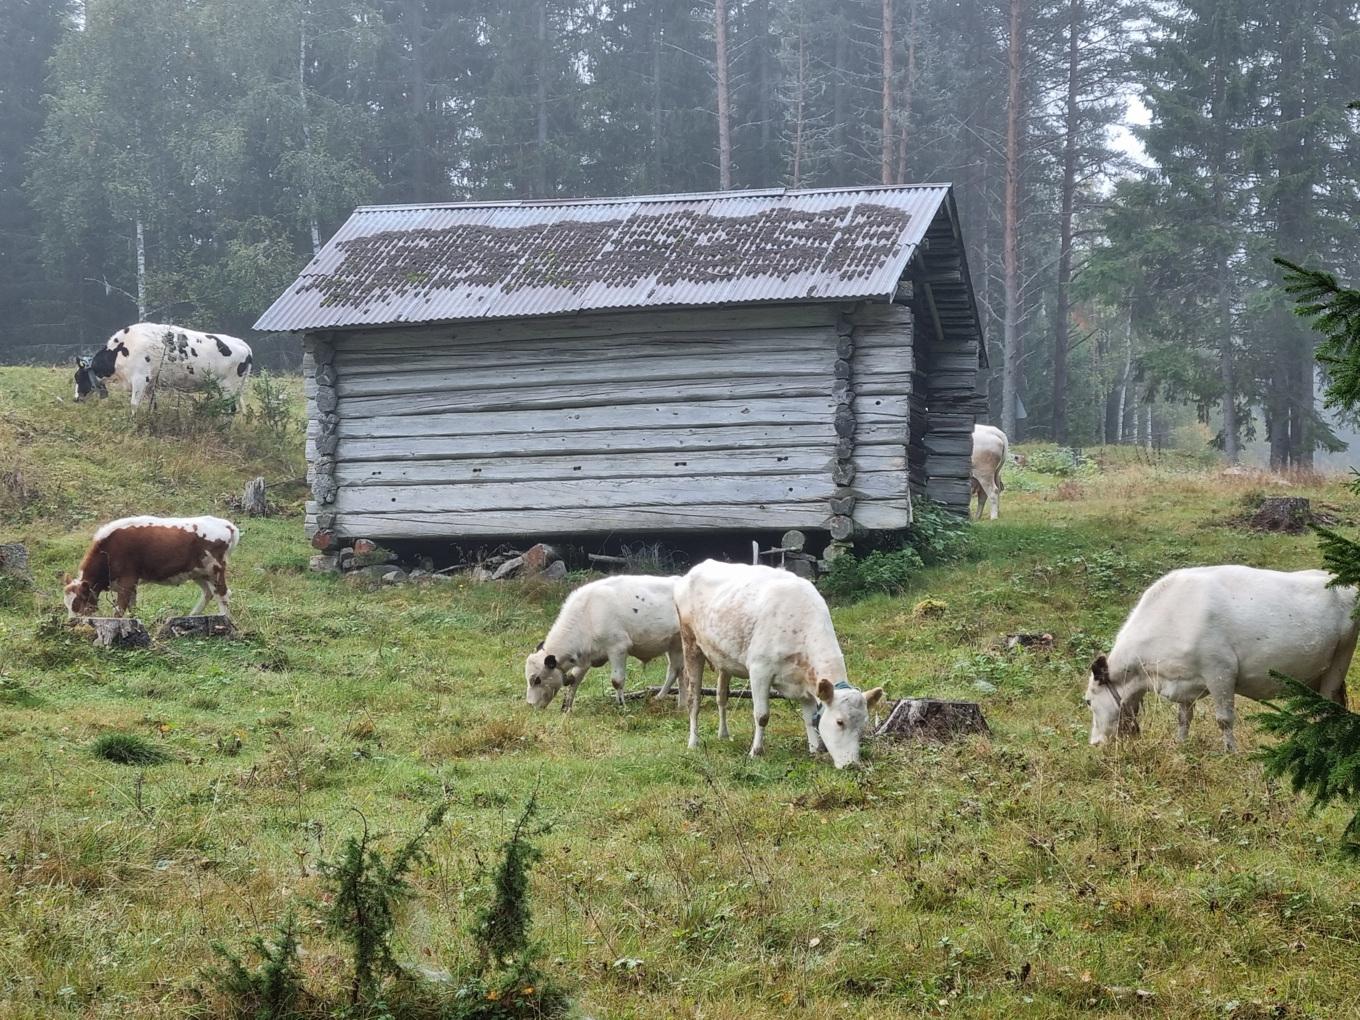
{"x":580,"y":409}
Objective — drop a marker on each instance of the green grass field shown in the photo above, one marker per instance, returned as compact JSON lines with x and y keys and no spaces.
{"x":1025,"y":875}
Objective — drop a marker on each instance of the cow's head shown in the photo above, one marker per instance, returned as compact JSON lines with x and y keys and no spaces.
{"x":545,"y":675}
{"x":1113,"y":712}
{"x":844,"y":714}
{"x":80,"y":598}
{"x":87,"y":378}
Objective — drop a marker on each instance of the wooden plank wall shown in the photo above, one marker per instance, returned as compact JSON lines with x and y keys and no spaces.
{"x":945,"y":417}
{"x":667,"y":421}
{"x":882,"y":373}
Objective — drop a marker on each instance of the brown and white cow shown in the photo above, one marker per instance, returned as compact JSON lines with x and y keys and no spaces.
{"x":989,"y":456}
{"x":162,"y":550}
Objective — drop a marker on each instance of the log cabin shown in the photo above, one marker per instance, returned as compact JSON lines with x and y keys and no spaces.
{"x":735,"y":361}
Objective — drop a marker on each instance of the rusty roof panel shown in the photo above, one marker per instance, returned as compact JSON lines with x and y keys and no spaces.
{"x":443,"y":263}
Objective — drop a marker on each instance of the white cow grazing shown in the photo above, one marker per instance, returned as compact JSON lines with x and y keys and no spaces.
{"x":774,"y":628}
{"x":149,"y":357}
{"x":989,"y":456}
{"x":1220,"y":631}
{"x":606,"y":621}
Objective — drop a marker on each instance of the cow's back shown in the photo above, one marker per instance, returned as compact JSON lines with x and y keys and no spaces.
{"x":1251,"y":622}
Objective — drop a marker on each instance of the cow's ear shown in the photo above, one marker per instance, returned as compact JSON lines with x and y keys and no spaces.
{"x":872,"y":698}
{"x":550,"y":661}
{"x":1100,"y":670}
{"x":826,"y":691}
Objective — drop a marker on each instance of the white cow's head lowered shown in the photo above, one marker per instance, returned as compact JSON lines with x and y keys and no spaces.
{"x":845,"y":713}
{"x":1112,"y":713}
{"x":545,"y":675}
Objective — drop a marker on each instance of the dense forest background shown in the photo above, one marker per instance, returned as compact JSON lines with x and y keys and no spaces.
{"x":180,"y":160}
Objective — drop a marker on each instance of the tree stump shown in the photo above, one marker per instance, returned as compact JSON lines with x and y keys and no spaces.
{"x":253,"y":500}
{"x":928,"y":719}
{"x":117,"y":632}
{"x":1289,"y":514}
{"x":14,"y":560}
{"x":198,"y":626}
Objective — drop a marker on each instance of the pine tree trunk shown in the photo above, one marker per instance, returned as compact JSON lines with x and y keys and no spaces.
{"x":886,"y":142}
{"x":541,"y":103}
{"x":1010,"y":254}
{"x":1227,"y":371}
{"x":420,"y":157}
{"x":141,"y":270}
{"x":1062,"y":309}
{"x":724,"y":122}
{"x":905,"y":115}
{"x":306,"y":126}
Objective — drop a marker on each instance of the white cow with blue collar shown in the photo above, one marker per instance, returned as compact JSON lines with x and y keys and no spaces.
{"x":775,"y":629}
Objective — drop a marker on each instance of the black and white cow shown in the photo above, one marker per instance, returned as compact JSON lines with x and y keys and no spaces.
{"x":148,"y":357}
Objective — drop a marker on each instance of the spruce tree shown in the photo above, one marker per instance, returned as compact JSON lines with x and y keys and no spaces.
{"x":1320,"y":747}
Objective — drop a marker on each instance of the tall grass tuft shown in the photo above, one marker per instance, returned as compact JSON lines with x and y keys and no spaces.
{"x":128,"y":749}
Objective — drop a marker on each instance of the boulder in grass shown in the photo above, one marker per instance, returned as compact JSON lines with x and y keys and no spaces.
{"x":537,"y":558}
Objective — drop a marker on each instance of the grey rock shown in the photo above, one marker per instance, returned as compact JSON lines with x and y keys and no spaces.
{"x":325,"y":563}
{"x":396,"y":576}
{"x":509,"y":568}
{"x":555,"y":571}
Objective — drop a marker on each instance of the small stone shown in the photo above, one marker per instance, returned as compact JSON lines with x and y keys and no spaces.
{"x":805,"y":568}
{"x":481,"y":574}
{"x":555,"y":571}
{"x":420,"y":574}
{"x":376,"y":556}
{"x":537,"y":558}
{"x":325,"y":563}
{"x":365,"y":545}
{"x":325,"y":540}
{"x":509,"y":568}
{"x":394,"y":576}
{"x":375,"y":572}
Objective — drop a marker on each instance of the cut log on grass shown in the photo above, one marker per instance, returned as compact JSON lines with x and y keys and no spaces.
{"x":928,"y":719}
{"x":1290,"y":514}
{"x":198,"y":626}
{"x":1014,"y":641}
{"x":253,"y":500}
{"x":116,"y":632}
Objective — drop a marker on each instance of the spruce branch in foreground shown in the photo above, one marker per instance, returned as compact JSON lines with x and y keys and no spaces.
{"x":1334,"y":311}
{"x":1318,"y":751}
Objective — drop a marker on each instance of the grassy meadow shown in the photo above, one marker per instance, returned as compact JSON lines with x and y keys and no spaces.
{"x":1025,"y":875}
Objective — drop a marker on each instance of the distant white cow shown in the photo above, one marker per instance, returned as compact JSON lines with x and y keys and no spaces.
{"x":150,"y":357}
{"x":774,"y":628}
{"x":606,"y":621}
{"x":989,"y":456}
{"x":1220,"y":631}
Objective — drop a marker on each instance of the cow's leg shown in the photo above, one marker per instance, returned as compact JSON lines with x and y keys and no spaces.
{"x":571,"y":683}
{"x":814,"y":738}
{"x":1333,"y":682}
{"x":996,"y":494}
{"x":219,"y":587}
{"x":975,"y":489}
{"x":205,"y":590}
{"x":760,"y":708}
{"x":1186,"y":712}
{"x":125,"y":597}
{"x":1225,"y":711}
{"x":694,"y":678}
{"x":675,"y":663}
{"x":724,"y":682}
{"x":618,"y":674}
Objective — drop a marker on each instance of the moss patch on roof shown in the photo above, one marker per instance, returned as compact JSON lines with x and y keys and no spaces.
{"x":683,"y":246}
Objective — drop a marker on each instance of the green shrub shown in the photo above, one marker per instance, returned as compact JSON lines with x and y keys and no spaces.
{"x":937,"y":534}
{"x":1061,"y":461}
{"x":366,"y":887}
{"x":128,"y":749}
{"x":271,"y":991}
{"x":880,"y":571}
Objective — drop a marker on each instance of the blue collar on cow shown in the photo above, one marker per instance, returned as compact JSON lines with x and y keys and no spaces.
{"x":841,"y":685}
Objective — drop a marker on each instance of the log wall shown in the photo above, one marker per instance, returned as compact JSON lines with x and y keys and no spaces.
{"x":677,"y":421}
{"x":817,"y":417}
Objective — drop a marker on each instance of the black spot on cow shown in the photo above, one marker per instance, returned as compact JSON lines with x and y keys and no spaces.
{"x":127,"y":329}
{"x":190,"y":369}
{"x":105,"y":362}
{"x":222,"y":348}
{"x":194,"y":350}
{"x":244,"y":366}
{"x":148,"y":359}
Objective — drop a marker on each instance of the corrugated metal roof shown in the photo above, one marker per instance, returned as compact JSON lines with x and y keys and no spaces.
{"x":445,"y":263}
